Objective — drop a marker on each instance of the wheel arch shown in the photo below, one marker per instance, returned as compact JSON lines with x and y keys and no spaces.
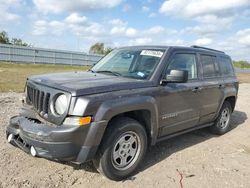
{"x":143,"y":109}
{"x":232,"y":101}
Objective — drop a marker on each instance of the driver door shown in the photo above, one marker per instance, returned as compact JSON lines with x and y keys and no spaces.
{"x":180,"y":105}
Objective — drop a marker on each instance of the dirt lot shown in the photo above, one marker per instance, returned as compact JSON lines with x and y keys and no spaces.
{"x":203,"y":159}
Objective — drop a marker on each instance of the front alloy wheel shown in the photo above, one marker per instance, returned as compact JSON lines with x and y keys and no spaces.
{"x":123,"y":148}
{"x":126,"y":150}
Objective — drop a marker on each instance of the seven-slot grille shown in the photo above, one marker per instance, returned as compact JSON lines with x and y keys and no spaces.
{"x":39,"y":99}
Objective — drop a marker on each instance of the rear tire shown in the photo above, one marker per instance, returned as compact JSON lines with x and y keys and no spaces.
{"x":222,"y":123}
{"x":123,"y":148}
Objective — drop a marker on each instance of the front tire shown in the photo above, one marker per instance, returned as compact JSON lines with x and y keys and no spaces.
{"x":222,"y":123}
{"x":123,"y":147}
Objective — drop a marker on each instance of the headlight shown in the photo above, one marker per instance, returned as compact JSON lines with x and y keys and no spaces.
{"x":61,"y":104}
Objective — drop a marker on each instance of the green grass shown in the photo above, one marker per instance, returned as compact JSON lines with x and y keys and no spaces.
{"x":13,"y":76}
{"x":241,"y":64}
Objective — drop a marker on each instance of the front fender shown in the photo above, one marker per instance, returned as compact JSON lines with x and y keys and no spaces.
{"x":111,"y":108}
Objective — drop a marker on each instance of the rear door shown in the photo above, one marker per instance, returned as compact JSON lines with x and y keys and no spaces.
{"x":212,"y":89}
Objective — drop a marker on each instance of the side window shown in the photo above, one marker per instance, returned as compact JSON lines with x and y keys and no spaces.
{"x":226,"y":66}
{"x":184,"y":62}
{"x":210,"y":66}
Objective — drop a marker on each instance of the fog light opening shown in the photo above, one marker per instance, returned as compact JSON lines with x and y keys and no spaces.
{"x":33,"y":151}
{"x":10,"y":138}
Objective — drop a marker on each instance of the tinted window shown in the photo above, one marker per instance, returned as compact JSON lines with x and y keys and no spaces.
{"x":184,"y":62}
{"x":210,"y":66}
{"x":226,"y":66}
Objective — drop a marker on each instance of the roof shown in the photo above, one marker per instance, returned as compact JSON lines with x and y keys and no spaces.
{"x":193,"y":48}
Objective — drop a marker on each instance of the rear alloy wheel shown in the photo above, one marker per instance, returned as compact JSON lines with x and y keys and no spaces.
{"x":222,"y":123}
{"x":224,"y":119}
{"x":123,"y":148}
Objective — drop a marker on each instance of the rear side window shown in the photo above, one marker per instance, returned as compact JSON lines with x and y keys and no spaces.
{"x":184,"y":62}
{"x":226,"y":66}
{"x":210,"y":66}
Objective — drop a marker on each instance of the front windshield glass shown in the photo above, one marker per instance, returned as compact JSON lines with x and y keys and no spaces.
{"x":133,"y":63}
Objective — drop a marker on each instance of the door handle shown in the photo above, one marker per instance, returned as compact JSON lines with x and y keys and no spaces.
{"x":197,"y":89}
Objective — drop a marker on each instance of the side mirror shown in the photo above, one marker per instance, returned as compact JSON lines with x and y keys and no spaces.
{"x":176,"y":76}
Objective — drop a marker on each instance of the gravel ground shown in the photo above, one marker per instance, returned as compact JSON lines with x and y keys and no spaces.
{"x":202,"y":159}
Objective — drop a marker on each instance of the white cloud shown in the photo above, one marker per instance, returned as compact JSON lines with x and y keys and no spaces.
{"x":192,"y":8}
{"x":141,"y":41}
{"x":117,"y":22}
{"x":94,"y":29}
{"x":155,"y":30}
{"x":177,"y":42}
{"x":145,"y":9}
{"x":40,"y":27}
{"x":244,"y":37}
{"x":6,"y":10}
{"x":126,"y":8}
{"x":75,"y":18}
{"x":43,"y":27}
{"x":212,"y":16}
{"x":236,"y":45}
{"x":7,"y":16}
{"x":210,"y":25}
{"x":203,"y":41}
{"x":152,"y":15}
{"x":54,"y":6}
{"x":214,"y":19}
{"x":131,"y":32}
{"x":202,"y":30}
{"x":91,"y":29}
{"x":118,"y":30}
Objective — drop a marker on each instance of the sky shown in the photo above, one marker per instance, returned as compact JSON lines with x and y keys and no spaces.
{"x":78,"y":24}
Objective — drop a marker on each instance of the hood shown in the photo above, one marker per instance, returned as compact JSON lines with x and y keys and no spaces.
{"x":84,"y":83}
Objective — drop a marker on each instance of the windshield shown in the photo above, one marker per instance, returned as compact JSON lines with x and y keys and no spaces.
{"x":133,"y":63}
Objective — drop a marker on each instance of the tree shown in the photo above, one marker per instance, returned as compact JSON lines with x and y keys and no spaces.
{"x":98,"y":48}
{"x":107,"y":50}
{"x":4,"y":39}
{"x":18,"y":42}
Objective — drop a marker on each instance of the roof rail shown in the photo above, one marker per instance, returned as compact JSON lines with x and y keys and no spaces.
{"x":195,"y":46}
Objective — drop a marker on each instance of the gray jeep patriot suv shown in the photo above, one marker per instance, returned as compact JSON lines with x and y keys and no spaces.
{"x":131,"y":99}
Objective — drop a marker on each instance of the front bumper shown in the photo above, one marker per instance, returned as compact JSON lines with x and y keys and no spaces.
{"x":63,"y":143}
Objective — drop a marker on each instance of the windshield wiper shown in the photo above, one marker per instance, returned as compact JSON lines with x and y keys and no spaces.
{"x":110,"y":72}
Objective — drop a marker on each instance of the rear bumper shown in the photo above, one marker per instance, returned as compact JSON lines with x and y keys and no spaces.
{"x":63,"y":143}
